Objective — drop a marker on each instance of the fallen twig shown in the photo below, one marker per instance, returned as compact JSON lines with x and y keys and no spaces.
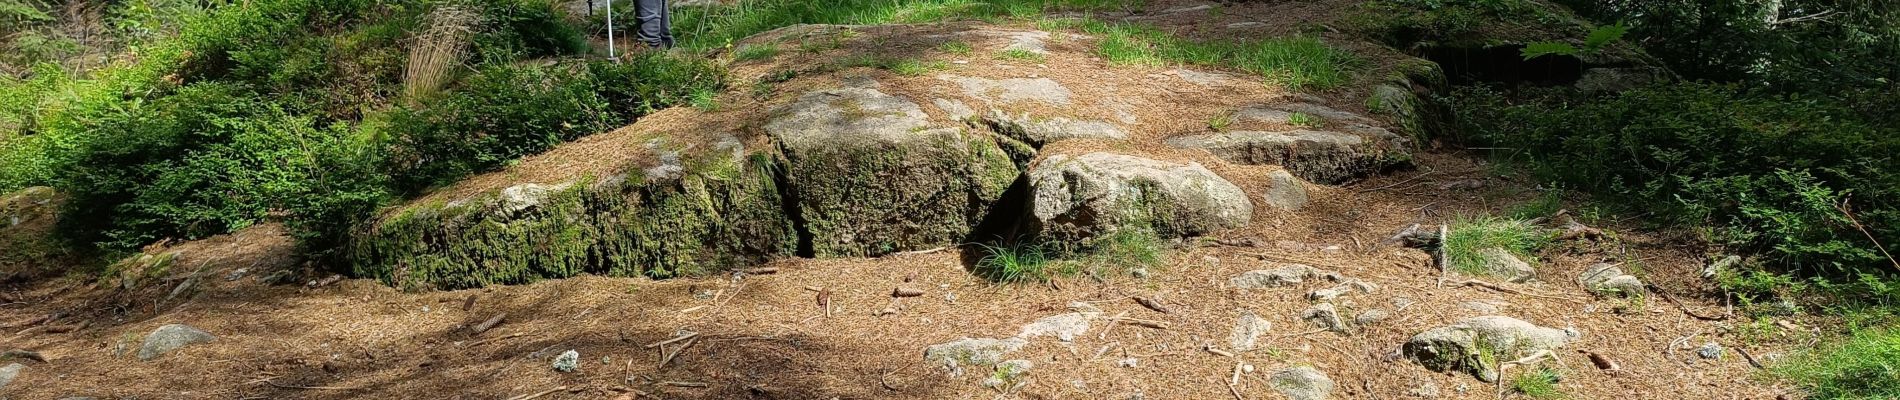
{"x":1112,"y":321}
{"x":283,"y":386}
{"x":762,"y":271}
{"x":1493,"y":286}
{"x":1750,"y":358}
{"x":1144,"y":323}
{"x":468,"y":304}
{"x":684,"y":336}
{"x":1685,"y":308}
{"x":1863,"y":230}
{"x":489,"y":324}
{"x":1218,"y":352}
{"x":684,"y":384}
{"x":1153,"y":305}
{"x":1602,"y":362}
{"x":22,"y":354}
{"x":676,"y":351}
{"x":538,"y":394}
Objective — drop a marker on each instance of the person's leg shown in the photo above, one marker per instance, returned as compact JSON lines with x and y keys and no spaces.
{"x":666,"y":23}
{"x":652,"y":17}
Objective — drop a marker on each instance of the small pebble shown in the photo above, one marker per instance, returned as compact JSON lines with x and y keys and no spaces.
{"x":1709,"y":351}
{"x":1130,"y":362}
{"x":1247,"y":368}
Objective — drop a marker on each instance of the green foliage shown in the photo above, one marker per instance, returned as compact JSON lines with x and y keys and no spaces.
{"x":1865,"y":365}
{"x":1539,"y":384}
{"x":955,"y":48}
{"x":1402,"y":23}
{"x":711,"y":27}
{"x":504,"y":112}
{"x":1297,"y":62}
{"x":1813,"y":46}
{"x":1768,"y":172}
{"x":1599,"y":38}
{"x":1468,"y":238}
{"x":1303,"y":120}
{"x":755,"y":52}
{"x":1014,"y":263}
{"x":1020,"y":55}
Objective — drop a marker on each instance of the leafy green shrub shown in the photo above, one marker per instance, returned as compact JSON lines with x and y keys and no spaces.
{"x":504,"y":112}
{"x":1770,"y":172}
{"x":1865,"y":365}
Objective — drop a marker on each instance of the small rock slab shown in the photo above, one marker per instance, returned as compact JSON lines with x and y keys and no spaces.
{"x":962,"y":353}
{"x":1501,"y":263}
{"x":1038,"y":131}
{"x":1326,"y":316}
{"x":1247,"y":331}
{"x":1607,"y":279}
{"x":9,"y":373}
{"x":1081,"y":196}
{"x":1302,"y":383}
{"x":1064,"y":327}
{"x":171,"y":337}
{"x":1013,"y":90}
{"x":1285,"y":191}
{"x":1477,"y":344}
{"x":1285,"y":275}
{"x":1325,"y":157}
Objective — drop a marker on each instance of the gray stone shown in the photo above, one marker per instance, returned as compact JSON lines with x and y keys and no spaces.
{"x":1709,"y":351}
{"x":1039,"y":131}
{"x":9,"y":373}
{"x":962,"y":353}
{"x":1325,"y":157}
{"x":1476,"y":345}
{"x":237,"y":274}
{"x":1013,"y":90}
{"x":1325,"y":315}
{"x":1285,"y":275}
{"x":1480,"y":307}
{"x":1718,"y":266}
{"x":568,"y":361}
{"x":1064,"y":327}
{"x":838,"y":142}
{"x":1246,"y":25}
{"x":171,"y":337}
{"x":1285,"y":192}
{"x":955,"y":109}
{"x":526,"y":196}
{"x":1302,"y":383}
{"x":1009,"y":375}
{"x":1329,"y":294}
{"x":1428,"y":390}
{"x":1247,"y":331}
{"x":1371,"y":317}
{"x":1081,"y":196}
{"x":1205,"y":78}
{"x":1501,"y":263}
{"x":1399,"y":103}
{"x":1607,"y":279}
{"x":1030,"y":41}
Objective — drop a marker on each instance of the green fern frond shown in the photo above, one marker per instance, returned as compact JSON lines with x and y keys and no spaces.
{"x":1604,"y":35}
{"x":1540,"y":49}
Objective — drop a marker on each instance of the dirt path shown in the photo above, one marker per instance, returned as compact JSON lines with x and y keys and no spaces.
{"x":765,"y":337}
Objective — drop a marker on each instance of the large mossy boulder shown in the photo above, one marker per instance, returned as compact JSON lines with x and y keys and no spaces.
{"x":689,"y":213}
{"x":1476,"y":345}
{"x":1079,"y":197}
{"x":873,"y":175}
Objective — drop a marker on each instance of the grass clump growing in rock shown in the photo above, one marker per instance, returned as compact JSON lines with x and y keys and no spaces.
{"x":1009,"y":263}
{"x":755,"y":52}
{"x":960,"y":48}
{"x":1020,"y":55}
{"x":1468,"y":239}
{"x":1866,"y":365}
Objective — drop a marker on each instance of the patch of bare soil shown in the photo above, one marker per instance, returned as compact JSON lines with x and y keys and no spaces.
{"x":765,"y":335}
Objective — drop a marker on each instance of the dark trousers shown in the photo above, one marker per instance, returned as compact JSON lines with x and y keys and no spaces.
{"x":655,"y":23}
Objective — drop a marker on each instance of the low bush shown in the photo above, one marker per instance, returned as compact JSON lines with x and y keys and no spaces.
{"x":1802,"y":179}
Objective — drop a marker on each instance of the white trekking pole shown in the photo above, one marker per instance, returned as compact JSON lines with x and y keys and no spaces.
{"x":610,"y":32}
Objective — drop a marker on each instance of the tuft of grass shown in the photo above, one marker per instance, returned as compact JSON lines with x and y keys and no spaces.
{"x":1296,"y":62}
{"x":1014,"y":263}
{"x":1539,"y":384}
{"x":1468,"y":237}
{"x":956,"y":47}
{"x":1865,"y":365}
{"x":1020,"y":55}
{"x":1543,"y":206}
{"x":706,"y":100}
{"x":1130,"y":248}
{"x":1303,"y":120}
{"x":755,"y":52}
{"x":1220,"y":122}
{"x":914,"y":67}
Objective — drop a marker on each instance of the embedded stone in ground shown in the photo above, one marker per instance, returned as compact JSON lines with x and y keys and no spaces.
{"x":1247,"y":330}
{"x":1476,"y":345}
{"x":1013,"y":90}
{"x":9,"y":373}
{"x":1285,"y":275}
{"x":1064,"y":327}
{"x":171,"y":337}
{"x":1607,"y":279}
{"x":1082,"y":196}
{"x":1302,"y":383}
{"x":1326,"y":316}
{"x":954,"y":356}
{"x":1039,"y":131}
{"x":1286,"y":192}
{"x":1498,"y":262}
{"x":874,"y":177}
{"x":1320,"y":156}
